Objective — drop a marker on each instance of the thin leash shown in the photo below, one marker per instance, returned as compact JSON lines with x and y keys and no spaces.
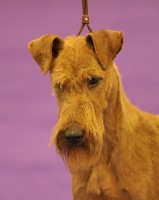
{"x":85,"y":17}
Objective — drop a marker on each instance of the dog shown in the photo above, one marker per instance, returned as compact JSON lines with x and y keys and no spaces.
{"x":110,"y":146}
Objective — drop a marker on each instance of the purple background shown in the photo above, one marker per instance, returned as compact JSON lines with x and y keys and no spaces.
{"x":28,"y":111}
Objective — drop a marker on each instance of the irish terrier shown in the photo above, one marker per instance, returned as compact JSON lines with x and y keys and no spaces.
{"x":110,"y":146}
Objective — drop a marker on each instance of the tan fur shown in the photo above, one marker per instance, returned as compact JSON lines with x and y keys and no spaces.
{"x":118,"y":158}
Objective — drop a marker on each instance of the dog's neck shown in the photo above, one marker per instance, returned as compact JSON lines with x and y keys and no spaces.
{"x":120,"y":112}
{"x":118,"y":116}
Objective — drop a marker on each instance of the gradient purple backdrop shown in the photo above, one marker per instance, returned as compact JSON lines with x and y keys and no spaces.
{"x":28,"y":111}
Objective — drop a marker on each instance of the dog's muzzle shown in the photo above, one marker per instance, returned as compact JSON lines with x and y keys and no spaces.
{"x":74,"y":134}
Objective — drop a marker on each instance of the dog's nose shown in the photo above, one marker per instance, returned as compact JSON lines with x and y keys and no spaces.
{"x":74,"y":134}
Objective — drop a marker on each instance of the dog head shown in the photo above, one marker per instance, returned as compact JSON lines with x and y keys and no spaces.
{"x":82,"y":79}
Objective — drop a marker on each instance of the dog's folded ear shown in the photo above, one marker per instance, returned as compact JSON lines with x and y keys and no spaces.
{"x":106,"y":44}
{"x":45,"y":49}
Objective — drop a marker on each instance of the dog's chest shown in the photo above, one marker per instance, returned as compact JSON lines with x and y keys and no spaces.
{"x":101,"y":184}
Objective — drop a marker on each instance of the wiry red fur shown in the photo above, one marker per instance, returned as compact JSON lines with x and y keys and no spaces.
{"x":118,"y":158}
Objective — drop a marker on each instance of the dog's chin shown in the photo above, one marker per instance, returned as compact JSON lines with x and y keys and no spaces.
{"x":79,"y":158}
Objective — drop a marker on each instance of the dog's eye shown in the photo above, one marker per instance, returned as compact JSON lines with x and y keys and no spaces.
{"x":93,"y":81}
{"x":59,"y":86}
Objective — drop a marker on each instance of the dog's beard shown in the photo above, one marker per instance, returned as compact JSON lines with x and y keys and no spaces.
{"x":79,"y":157}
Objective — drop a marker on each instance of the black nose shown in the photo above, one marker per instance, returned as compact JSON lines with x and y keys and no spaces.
{"x":74,"y":134}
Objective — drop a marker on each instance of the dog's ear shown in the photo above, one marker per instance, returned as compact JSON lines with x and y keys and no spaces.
{"x":106,"y":44}
{"x":45,"y":49}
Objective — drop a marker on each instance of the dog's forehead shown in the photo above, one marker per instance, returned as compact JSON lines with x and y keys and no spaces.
{"x":76,"y":57}
{"x":77,"y":50}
